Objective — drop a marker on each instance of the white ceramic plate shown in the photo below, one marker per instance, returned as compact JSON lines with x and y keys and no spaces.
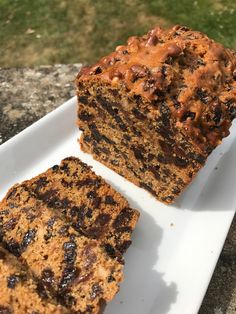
{"x":175,"y":248}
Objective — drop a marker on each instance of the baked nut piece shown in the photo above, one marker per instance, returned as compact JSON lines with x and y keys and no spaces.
{"x":95,"y":209}
{"x":19,"y":293}
{"x":78,"y":272}
{"x":154,"y":109}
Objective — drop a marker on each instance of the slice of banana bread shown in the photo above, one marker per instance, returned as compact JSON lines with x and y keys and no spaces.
{"x":95,"y":209}
{"x":19,"y":292}
{"x":80,"y":273}
{"x":154,"y":109}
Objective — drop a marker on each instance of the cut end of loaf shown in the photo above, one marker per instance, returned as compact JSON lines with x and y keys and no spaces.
{"x":154,"y":109}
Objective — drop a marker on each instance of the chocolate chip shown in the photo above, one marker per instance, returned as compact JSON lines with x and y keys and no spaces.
{"x":166,"y":147}
{"x":64,"y":230}
{"x":114,"y":92}
{"x":85,"y":116}
{"x":136,"y":131}
{"x":110,"y":200}
{"x":87,"y":182}
{"x":127,"y":137}
{"x":112,"y":109}
{"x":65,"y":168}
{"x":139,"y":115}
{"x":96,"y":291}
{"x":163,"y":159}
{"x":65,"y":299}
{"x":47,"y":196}
{"x":91,"y":194}
{"x":98,"y":136}
{"x":83,"y":100}
{"x":10,"y":224}
{"x":94,"y":232}
{"x":83,"y":278}
{"x":124,"y":246}
{"x":14,"y":247}
{"x":47,"y":236}
{"x":11,"y":193}
{"x":75,"y":210}
{"x":180,"y":182}
{"x":66,"y":184}
{"x":155,"y":171}
{"x":110,"y":279}
{"x":137,"y":152}
{"x":202,"y":95}
{"x":51,"y":221}
{"x":164,"y":70}
{"x":169,"y":60}
{"x":89,"y":213}
{"x":40,"y":183}
{"x":104,"y":150}
{"x":217,"y":114}
{"x":180,"y":162}
{"x":87,"y":138}
{"x":102,"y":219}
{"x":115,"y":162}
{"x":110,"y":250}
{"x":90,"y":256}
{"x":197,"y":157}
{"x":4,"y":212}
{"x":167,"y":172}
{"x":47,"y":279}
{"x":113,"y":253}
{"x":167,"y":199}
{"x":123,"y":218}
{"x":137,"y":99}
{"x":176,"y":191}
{"x":150,"y":157}
{"x":147,"y":187}
{"x":12,"y":281}
{"x":69,"y":274}
{"x":70,"y":254}
{"x":165,"y":114}
{"x":55,"y":168}
{"x":57,"y":203}
{"x":28,"y":238}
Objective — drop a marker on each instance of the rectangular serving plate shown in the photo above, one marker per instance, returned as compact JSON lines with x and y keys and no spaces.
{"x":175,"y":248}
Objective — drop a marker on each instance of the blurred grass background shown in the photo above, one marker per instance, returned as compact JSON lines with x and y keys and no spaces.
{"x":56,"y":31}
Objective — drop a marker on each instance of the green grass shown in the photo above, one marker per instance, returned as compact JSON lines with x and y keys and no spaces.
{"x":83,"y":30}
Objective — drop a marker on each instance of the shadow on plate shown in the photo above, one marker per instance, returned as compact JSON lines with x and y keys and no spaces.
{"x":144,"y":289}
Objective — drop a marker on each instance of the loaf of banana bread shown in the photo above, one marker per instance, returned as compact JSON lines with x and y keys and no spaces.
{"x":19,"y":292}
{"x":70,"y":228}
{"x":154,"y":109}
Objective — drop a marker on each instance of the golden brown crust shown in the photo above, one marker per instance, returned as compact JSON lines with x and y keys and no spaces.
{"x":191,"y":73}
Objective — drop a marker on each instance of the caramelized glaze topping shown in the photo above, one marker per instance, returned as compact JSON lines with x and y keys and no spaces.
{"x":194,"y":75}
